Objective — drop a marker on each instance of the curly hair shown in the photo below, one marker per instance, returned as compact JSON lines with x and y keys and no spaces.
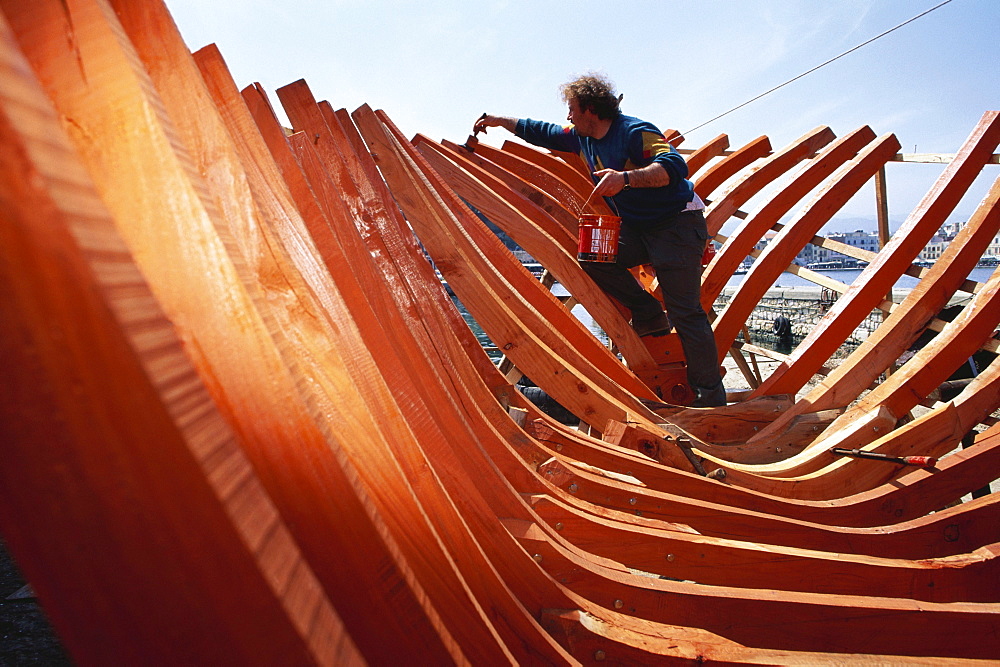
{"x":595,"y":92}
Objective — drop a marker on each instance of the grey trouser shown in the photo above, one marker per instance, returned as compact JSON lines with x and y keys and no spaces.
{"x":674,"y":247}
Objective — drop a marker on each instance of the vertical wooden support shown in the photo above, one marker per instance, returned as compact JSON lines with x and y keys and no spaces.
{"x":882,"y":213}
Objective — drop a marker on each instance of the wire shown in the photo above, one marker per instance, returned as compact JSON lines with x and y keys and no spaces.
{"x":768,"y":92}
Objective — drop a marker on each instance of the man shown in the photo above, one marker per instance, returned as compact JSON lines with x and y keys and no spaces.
{"x":645,"y":179}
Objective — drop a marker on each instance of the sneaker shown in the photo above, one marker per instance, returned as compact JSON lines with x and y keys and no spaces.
{"x":710,"y":398}
{"x":656,"y":326}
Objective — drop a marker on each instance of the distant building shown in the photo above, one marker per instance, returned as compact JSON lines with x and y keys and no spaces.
{"x":858,"y":239}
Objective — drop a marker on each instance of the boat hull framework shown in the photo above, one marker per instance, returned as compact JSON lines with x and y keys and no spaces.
{"x":243,"y":419}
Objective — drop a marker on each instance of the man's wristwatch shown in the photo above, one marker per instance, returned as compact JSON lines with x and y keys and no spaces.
{"x":627,"y":186}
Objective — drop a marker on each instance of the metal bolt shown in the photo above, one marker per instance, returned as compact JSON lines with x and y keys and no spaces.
{"x":599,"y":655}
{"x":670,"y":557}
{"x":573,"y":487}
{"x":619,"y":604}
{"x":631,"y":501}
{"x":537,"y":558}
{"x":559,"y":526}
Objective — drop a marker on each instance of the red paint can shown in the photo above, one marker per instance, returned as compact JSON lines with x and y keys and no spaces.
{"x":598,"y":238}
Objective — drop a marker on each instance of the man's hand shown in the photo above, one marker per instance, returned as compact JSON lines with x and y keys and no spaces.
{"x":609,"y":182}
{"x":487,"y":120}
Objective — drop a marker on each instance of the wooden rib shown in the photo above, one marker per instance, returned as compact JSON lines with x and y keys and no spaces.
{"x":905,"y":390}
{"x":174,"y":445}
{"x":752,"y":181}
{"x":719,"y":609}
{"x":571,"y":197}
{"x":230,"y":337}
{"x":641,"y":545}
{"x":793,"y":237}
{"x":888,"y":504}
{"x":879,"y":276}
{"x":707,"y":183}
{"x":748,"y":234}
{"x":582,"y":182}
{"x":697,"y":160}
{"x":480,"y":189}
{"x":556,"y":373}
{"x":934,"y":363}
{"x":567,"y":221}
{"x":933,"y":434}
{"x":614,"y":634}
{"x":425,"y":547}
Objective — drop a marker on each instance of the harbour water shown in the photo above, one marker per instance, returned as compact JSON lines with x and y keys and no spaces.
{"x":848,"y":276}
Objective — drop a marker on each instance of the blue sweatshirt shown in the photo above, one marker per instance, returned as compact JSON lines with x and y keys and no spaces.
{"x":630,"y":143}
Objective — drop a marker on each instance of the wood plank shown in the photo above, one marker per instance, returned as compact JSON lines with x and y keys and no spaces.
{"x":878,"y":277}
{"x":581,"y":181}
{"x":836,"y":623}
{"x":765,"y":171}
{"x":719,"y":562}
{"x":517,"y":216}
{"x":697,"y":159}
{"x":549,"y":361}
{"x":791,"y":239}
{"x":888,"y":342}
{"x":566,"y":230}
{"x":741,"y":242}
{"x":83,"y":493}
{"x":707,"y":183}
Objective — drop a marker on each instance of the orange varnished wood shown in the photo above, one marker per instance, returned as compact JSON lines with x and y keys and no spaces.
{"x":697,"y":160}
{"x":341,"y":435}
{"x":706,"y":183}
{"x":888,"y":342}
{"x":109,"y":499}
{"x":231,"y":339}
{"x":566,"y":221}
{"x":517,"y":216}
{"x":570,"y":195}
{"x":835,"y":622}
{"x":641,"y":545}
{"x":783,"y":248}
{"x":749,"y":233}
{"x":879,"y":276}
{"x":888,"y":504}
{"x":764,"y":172}
{"x":583,"y":183}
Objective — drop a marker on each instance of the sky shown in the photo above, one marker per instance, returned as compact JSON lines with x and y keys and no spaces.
{"x":435,"y":65}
